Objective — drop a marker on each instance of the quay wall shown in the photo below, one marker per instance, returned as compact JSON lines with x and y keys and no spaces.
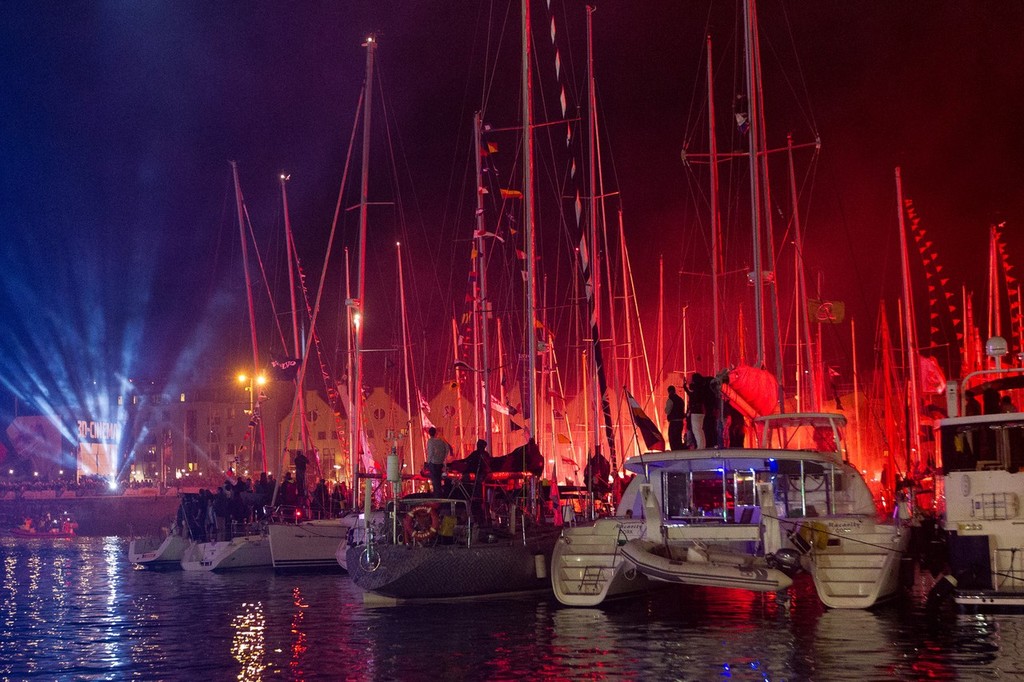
{"x":123,"y":515}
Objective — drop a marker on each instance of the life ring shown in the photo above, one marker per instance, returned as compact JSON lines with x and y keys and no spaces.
{"x":815,"y":534}
{"x":421,"y":524}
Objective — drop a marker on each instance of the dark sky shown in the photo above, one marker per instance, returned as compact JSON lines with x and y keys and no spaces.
{"x":120,"y":250}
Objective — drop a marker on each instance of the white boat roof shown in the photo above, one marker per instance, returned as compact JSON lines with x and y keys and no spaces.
{"x":726,"y":458}
{"x":980,"y":419}
{"x":802,"y":419}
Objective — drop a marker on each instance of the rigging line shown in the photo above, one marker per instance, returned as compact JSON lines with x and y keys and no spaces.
{"x":808,"y":112}
{"x":266,"y":280}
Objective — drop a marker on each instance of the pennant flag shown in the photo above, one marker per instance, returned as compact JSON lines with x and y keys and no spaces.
{"x":648,"y":429}
{"x":492,"y":147}
{"x":511,"y":194}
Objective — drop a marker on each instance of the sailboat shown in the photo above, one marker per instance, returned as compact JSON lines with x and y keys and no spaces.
{"x":742,"y":518}
{"x":250,"y":547}
{"x":431,"y":547}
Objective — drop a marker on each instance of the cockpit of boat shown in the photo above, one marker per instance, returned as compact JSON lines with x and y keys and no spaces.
{"x":980,"y":442}
{"x":726,"y":490}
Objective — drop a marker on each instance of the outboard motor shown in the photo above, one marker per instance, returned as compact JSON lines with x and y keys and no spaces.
{"x":786,"y":560}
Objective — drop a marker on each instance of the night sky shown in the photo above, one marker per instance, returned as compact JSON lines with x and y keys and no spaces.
{"x":120,"y":251}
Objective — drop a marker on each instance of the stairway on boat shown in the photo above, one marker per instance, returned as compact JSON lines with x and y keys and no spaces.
{"x":587,"y":565}
{"x":854,"y":579}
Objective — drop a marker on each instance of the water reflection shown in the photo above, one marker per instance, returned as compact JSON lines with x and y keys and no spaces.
{"x":247,"y":645}
{"x":79,"y":611}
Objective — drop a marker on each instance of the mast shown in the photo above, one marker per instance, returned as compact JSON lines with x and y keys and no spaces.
{"x":351,"y":352}
{"x":754,"y":130}
{"x":360,"y":301}
{"x":802,"y":320}
{"x":483,"y":305}
{"x":995,"y":321}
{"x":299,"y":350}
{"x":715,"y":217}
{"x":528,"y":218}
{"x":253,"y":398}
{"x":410,"y":458}
{"x":914,"y":405}
{"x":591,"y":266}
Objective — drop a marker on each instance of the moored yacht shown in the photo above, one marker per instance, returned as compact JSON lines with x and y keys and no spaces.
{"x":982,"y":456}
{"x":310,"y":543}
{"x":743,"y":518}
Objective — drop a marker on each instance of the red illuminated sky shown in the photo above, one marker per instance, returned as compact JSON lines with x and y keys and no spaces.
{"x":119,"y":252}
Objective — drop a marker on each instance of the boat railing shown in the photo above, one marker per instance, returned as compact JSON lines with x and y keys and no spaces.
{"x":458,"y":509}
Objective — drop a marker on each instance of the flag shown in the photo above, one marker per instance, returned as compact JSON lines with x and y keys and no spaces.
{"x":826,"y":312}
{"x":511,"y":194}
{"x":648,"y":429}
{"x":742,"y":123}
{"x":284,"y":368}
{"x":933,"y":380}
{"x":424,"y":405}
{"x":497,"y":406}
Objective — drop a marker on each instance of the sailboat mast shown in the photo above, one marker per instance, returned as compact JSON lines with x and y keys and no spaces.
{"x":802,"y":320}
{"x":253,"y":398}
{"x":995,"y":322}
{"x":715,"y":216}
{"x":754,"y":131}
{"x":299,"y":350}
{"x":914,"y":405}
{"x":483,"y":305}
{"x":351,"y":352}
{"x":410,"y":454}
{"x":528,"y":218}
{"x":360,"y":302}
{"x":593,"y":253}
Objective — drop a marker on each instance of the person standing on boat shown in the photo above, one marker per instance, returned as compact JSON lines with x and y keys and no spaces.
{"x":675,"y":412}
{"x":300,"y":475}
{"x":697,"y":406}
{"x":438,"y":451}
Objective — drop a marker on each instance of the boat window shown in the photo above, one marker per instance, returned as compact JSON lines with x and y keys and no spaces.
{"x":707,"y":495}
{"x":805,"y":493}
{"x":969,"y":447}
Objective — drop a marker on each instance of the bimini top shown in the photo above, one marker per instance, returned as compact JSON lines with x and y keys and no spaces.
{"x":802,"y":419}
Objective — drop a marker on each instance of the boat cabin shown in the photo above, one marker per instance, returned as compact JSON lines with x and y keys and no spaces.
{"x":697,"y":488}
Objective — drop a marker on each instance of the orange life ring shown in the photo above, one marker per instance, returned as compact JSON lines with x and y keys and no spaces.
{"x":421,"y":524}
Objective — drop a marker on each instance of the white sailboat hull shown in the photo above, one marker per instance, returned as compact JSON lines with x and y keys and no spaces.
{"x":244,"y":551}
{"x":159,"y":554}
{"x":308,"y":545}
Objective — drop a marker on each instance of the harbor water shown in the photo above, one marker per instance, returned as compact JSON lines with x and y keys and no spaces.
{"x":76,"y":610}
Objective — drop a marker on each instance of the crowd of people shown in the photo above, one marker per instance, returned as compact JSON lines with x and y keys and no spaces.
{"x":228,"y":511}
{"x":703,"y":419}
